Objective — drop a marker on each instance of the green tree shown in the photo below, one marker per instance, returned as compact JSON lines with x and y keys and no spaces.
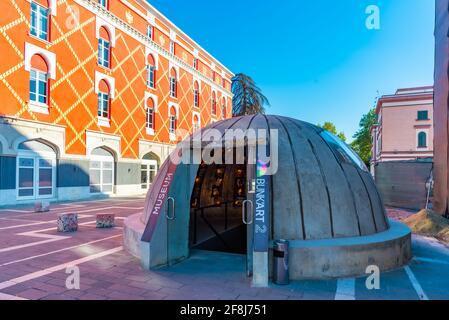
{"x":329,"y":126}
{"x":362,"y":143}
{"x":248,"y":98}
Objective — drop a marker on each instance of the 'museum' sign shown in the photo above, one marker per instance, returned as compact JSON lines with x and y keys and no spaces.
{"x":159,"y":202}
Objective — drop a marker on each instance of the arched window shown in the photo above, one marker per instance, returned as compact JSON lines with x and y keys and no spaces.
{"x":40,"y":19}
{"x":151,"y":72}
{"x":103,"y":100}
{"x":196,"y":122}
{"x":36,"y":170}
{"x":39,"y":80}
{"x":422,"y":140}
{"x":173,"y":83}
{"x":173,"y":120}
{"x":149,"y":169}
{"x":104,"y":48}
{"x":214,"y":103}
{"x":196,"y":94}
{"x":150,"y":114}
{"x":223,"y":108}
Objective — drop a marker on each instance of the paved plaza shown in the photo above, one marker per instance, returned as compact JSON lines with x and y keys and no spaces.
{"x":34,"y":259}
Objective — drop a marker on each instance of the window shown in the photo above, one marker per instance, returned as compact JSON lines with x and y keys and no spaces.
{"x":196,"y":94}
{"x":150,"y":118}
{"x":172,"y":121}
{"x":223,"y":108}
{"x":423,"y":115}
{"x":103,"y":100}
{"x":40,"y":17}
{"x":422,"y":140}
{"x":104,"y":49}
{"x":101,"y":171}
{"x":172,"y":47}
{"x":151,"y":72}
{"x":103,"y":3}
{"x":38,"y":80}
{"x":36,"y":164}
{"x":173,"y":83}
{"x":150,"y":31}
{"x":150,"y":114}
{"x":195,"y":63}
{"x":196,"y":123}
{"x":214,"y":103}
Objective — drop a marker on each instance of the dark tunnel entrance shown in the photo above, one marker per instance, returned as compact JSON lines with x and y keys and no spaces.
{"x":218,"y":196}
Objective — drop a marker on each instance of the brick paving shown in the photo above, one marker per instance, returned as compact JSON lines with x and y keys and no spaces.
{"x":34,"y":257}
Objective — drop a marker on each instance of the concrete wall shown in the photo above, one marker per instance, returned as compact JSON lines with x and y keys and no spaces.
{"x":73,"y":173}
{"x":403,"y":184}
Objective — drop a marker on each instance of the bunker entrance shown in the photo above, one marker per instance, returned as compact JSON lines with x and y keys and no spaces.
{"x":219,"y":209}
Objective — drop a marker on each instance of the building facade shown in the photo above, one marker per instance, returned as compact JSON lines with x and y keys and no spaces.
{"x":441,"y":108}
{"x":93,"y":93}
{"x":405,"y":126}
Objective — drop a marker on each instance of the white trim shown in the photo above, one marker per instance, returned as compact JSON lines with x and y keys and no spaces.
{"x":197,"y":80}
{"x":103,"y":122}
{"x":110,"y":80}
{"x":149,"y":131}
{"x":176,"y":106}
{"x":53,"y":6}
{"x":96,"y":140}
{"x":155,"y":55}
{"x":173,"y":36}
{"x":407,"y":103}
{"x":49,"y":57}
{"x":176,"y":67}
{"x":109,"y":27}
{"x":155,"y":100}
{"x":37,"y":107}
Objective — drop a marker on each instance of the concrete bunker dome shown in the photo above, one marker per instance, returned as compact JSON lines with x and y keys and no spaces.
{"x":322,"y":199}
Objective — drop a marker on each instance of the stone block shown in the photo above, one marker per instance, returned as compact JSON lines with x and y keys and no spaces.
{"x":105,"y":220}
{"x":42,"y":206}
{"x":67,"y":222}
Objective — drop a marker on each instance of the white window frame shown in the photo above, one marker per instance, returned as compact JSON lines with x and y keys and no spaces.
{"x":149,"y":164}
{"x":102,"y":160}
{"x":37,"y":76}
{"x":151,"y":71}
{"x":104,"y":46}
{"x":36,"y":156}
{"x":149,"y":129}
{"x":38,"y":20}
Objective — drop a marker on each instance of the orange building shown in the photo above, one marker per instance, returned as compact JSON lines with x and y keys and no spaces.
{"x":93,"y":92}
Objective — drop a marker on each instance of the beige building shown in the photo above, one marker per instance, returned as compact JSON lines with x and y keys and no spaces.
{"x":405,"y":126}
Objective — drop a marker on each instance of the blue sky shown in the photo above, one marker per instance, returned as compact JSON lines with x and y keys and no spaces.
{"x":315,"y":60}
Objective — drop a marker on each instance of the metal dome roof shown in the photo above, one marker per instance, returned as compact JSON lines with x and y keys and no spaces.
{"x":322,"y":189}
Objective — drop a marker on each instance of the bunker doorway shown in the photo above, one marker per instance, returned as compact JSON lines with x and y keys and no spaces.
{"x":221,"y":211}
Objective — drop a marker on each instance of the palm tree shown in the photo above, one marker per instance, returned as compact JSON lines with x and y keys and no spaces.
{"x":248,"y":98}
